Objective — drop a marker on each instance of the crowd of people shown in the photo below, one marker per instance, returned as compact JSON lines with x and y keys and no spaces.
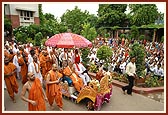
{"x":154,"y":56}
{"x":49,"y":66}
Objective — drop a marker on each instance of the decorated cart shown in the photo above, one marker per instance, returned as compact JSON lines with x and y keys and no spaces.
{"x":94,"y":95}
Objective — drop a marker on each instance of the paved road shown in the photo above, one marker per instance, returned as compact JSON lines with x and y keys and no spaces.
{"x":118,"y":103}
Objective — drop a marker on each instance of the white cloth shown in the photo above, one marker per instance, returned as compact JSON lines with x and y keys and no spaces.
{"x":15,"y":50}
{"x":158,"y":71}
{"x":63,"y":56}
{"x":131,"y":69}
{"x":122,"y":67}
{"x":18,"y":68}
{"x":31,"y":68}
{"x":84,"y":76}
{"x":30,"y":59}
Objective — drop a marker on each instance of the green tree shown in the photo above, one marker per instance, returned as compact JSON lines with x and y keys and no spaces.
{"x":41,"y":16}
{"x":31,"y":30}
{"x":111,"y":15}
{"x":92,"y":19}
{"x":62,"y":28}
{"x":74,"y":19}
{"x":50,"y":25}
{"x":49,"y":16}
{"x":138,"y":51}
{"x":143,"y":14}
{"x":85,"y":59}
{"x":38,"y":37}
{"x":104,"y":53}
{"x":29,"y":40}
{"x":142,"y":37}
{"x":89,"y":32}
{"x":21,"y":37}
{"x":7,"y":23}
{"x":134,"y":32}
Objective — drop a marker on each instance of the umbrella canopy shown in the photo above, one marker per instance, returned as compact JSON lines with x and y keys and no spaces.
{"x":68,"y":40}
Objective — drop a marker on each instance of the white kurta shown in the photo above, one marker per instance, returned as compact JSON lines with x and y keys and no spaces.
{"x":84,"y":76}
{"x":31,"y":68}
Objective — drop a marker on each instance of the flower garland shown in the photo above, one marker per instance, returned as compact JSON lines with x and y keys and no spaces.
{"x":36,"y":67}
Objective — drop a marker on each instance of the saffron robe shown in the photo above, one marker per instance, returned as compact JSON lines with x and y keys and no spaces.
{"x":53,"y":91}
{"x":11,"y":82}
{"x":77,"y":81}
{"x":36,"y":94}
{"x":45,"y":66}
{"x":24,"y":69}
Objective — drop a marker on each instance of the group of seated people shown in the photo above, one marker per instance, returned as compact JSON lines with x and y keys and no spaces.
{"x":75,"y":74}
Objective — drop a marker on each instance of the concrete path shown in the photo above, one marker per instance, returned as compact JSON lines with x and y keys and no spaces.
{"x":119,"y":103}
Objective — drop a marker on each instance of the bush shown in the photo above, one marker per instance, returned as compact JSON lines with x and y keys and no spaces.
{"x":122,"y":36}
{"x":38,"y":37}
{"x":152,"y":81}
{"x":138,"y":51}
{"x":162,"y":39}
{"x":93,"y":68}
{"x":104,"y":53}
{"x":85,"y":58}
{"x":142,"y":37}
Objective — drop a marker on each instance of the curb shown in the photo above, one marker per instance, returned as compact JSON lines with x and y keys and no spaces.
{"x":139,"y":90}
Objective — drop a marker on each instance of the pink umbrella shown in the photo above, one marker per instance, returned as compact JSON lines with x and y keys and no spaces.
{"x":68,"y":40}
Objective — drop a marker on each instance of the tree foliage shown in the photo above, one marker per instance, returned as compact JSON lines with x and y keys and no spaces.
{"x":85,"y":59}
{"x":104,"y":53}
{"x":7,"y":23}
{"x":111,"y":15}
{"x":134,"y":32}
{"x":88,"y":32}
{"x":143,"y":14}
{"x":38,"y":37}
{"x":74,"y":19}
{"x":41,"y":16}
{"x":138,"y":51}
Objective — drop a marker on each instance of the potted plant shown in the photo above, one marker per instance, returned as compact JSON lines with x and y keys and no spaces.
{"x":138,"y":51}
{"x":104,"y":53}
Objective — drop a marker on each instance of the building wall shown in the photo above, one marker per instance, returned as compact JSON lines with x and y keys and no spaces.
{"x":37,"y":20}
{"x":15,"y":20}
{"x":12,"y":11}
{"x":14,"y":8}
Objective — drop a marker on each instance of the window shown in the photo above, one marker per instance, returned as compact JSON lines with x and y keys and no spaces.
{"x":26,"y":15}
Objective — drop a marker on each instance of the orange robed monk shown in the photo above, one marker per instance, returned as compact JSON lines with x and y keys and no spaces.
{"x":45,"y":63}
{"x":70,"y":72}
{"x":36,"y":97}
{"x":10,"y":78}
{"x":53,"y":88}
{"x":24,"y":68}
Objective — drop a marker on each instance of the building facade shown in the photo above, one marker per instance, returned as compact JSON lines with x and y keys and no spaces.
{"x":22,"y":14}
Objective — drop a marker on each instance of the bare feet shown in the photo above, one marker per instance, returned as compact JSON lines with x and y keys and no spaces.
{"x":60,"y":109}
{"x":14,"y":101}
{"x":52,"y":107}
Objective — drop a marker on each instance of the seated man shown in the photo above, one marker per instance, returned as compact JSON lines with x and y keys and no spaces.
{"x":159,"y":72}
{"x":70,"y":72}
{"x":82,"y":72}
{"x":65,"y":71}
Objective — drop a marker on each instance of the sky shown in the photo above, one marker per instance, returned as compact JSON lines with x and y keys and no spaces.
{"x":58,"y":8}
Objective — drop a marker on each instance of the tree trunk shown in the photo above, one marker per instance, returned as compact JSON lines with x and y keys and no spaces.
{"x":154,"y":35}
{"x":116,"y":33}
